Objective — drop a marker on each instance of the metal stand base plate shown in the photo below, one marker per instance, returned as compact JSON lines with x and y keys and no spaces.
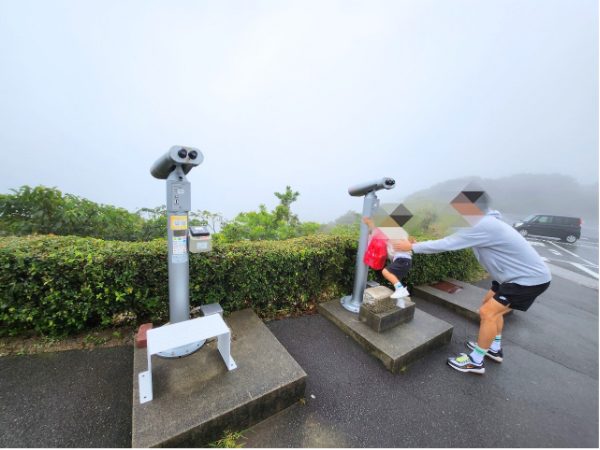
{"x":347,"y":304}
{"x":182,"y":351}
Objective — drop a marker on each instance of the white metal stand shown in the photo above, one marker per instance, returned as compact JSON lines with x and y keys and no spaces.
{"x":180,"y":334}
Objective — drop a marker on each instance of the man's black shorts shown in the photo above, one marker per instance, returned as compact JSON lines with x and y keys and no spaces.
{"x":516,"y":296}
{"x":400,"y":267}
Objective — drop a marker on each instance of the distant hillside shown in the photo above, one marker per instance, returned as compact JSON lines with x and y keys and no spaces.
{"x":522,"y":194}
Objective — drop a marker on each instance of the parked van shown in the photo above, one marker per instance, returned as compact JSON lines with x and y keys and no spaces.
{"x":566,"y":228}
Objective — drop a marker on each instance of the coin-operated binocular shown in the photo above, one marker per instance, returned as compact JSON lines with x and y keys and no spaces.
{"x":352,"y":302}
{"x":361,"y":189}
{"x":184,"y":157}
{"x":182,"y":335}
{"x":173,"y":167}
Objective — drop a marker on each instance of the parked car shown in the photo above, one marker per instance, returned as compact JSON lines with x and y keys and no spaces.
{"x":567,"y":229}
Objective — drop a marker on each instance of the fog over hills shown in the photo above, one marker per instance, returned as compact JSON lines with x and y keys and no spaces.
{"x":522,"y":194}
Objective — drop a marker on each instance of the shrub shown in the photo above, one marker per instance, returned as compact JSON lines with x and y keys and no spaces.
{"x":57,"y":285}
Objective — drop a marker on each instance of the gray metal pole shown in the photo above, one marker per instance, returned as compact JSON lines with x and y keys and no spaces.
{"x":178,"y":206}
{"x":179,"y":276}
{"x":179,"y":203}
{"x":352,"y":302}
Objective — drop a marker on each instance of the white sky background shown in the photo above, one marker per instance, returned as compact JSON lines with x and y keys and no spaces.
{"x":318,"y":95}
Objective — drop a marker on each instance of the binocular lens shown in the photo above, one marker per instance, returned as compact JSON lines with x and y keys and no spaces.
{"x":182,"y":153}
{"x":390,"y":182}
{"x":193,"y":154}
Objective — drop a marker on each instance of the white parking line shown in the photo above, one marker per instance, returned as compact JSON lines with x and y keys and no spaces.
{"x":585,"y":269}
{"x":537,"y":243}
{"x":569,"y":252}
{"x":577,"y":244}
{"x":580,"y":245}
{"x":582,"y":280}
{"x":564,"y":261}
{"x":557,"y":253}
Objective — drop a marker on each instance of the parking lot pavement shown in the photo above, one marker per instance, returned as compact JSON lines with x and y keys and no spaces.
{"x":580,"y":258}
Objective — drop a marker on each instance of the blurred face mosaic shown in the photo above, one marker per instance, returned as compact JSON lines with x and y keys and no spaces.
{"x":472,"y":204}
{"x":390,"y":218}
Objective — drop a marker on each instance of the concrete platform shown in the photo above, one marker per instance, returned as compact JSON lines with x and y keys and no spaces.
{"x":196,"y":398}
{"x":383,"y":321}
{"x":395,"y":348}
{"x":466,"y":301}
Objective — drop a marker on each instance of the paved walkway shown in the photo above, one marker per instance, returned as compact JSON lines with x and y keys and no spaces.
{"x":545,"y":394}
{"x":77,"y":398}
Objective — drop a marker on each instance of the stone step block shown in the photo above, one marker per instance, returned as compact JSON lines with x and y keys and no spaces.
{"x":398,"y":347}
{"x":383,"y":321}
{"x":196,"y":398}
{"x":461,"y":297}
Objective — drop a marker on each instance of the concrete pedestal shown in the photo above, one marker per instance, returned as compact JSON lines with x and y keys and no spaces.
{"x":387,"y":320}
{"x":196,"y":398}
{"x":466,"y":300}
{"x":395,"y":348}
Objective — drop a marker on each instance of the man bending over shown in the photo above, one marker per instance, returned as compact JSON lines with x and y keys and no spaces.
{"x":518,"y":272}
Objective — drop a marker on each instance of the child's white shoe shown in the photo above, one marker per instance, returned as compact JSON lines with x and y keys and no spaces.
{"x":400,"y":292}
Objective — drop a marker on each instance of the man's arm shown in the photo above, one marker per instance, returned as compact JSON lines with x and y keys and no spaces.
{"x":465,"y":238}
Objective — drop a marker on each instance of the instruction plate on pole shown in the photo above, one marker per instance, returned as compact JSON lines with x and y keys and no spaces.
{"x":179,"y":245}
{"x":178,"y":223}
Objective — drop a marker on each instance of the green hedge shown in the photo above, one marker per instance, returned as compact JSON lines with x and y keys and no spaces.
{"x":58,"y":285}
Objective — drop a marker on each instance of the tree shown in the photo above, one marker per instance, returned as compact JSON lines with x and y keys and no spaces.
{"x":214,"y":221}
{"x":30,"y":210}
{"x":263,"y":224}
{"x":155,"y":223}
{"x":43,"y":210}
{"x":283,"y":211}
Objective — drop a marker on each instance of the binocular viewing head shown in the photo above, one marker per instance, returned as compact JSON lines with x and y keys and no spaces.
{"x":371,"y":186}
{"x":186,"y":157}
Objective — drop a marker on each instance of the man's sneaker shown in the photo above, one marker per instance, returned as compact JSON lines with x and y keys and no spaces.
{"x":496,"y":356}
{"x":464,"y":363}
{"x":400,"y":292}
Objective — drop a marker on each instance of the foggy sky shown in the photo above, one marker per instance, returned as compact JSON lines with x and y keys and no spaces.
{"x":318,"y":95}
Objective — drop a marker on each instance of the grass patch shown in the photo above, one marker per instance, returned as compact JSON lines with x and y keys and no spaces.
{"x":32,"y":344}
{"x":229,"y":440}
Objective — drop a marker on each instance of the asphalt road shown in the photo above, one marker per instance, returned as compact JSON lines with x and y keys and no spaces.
{"x":580,"y":257}
{"x":545,"y":394}
{"x":77,"y":398}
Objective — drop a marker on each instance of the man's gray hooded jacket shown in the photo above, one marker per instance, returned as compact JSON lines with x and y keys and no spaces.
{"x":499,"y":248}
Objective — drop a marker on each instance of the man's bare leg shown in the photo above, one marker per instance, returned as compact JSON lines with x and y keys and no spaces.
{"x":489,"y":313}
{"x":491,"y":322}
{"x":500,"y":320}
{"x":489,"y":294}
{"x":500,"y":323}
